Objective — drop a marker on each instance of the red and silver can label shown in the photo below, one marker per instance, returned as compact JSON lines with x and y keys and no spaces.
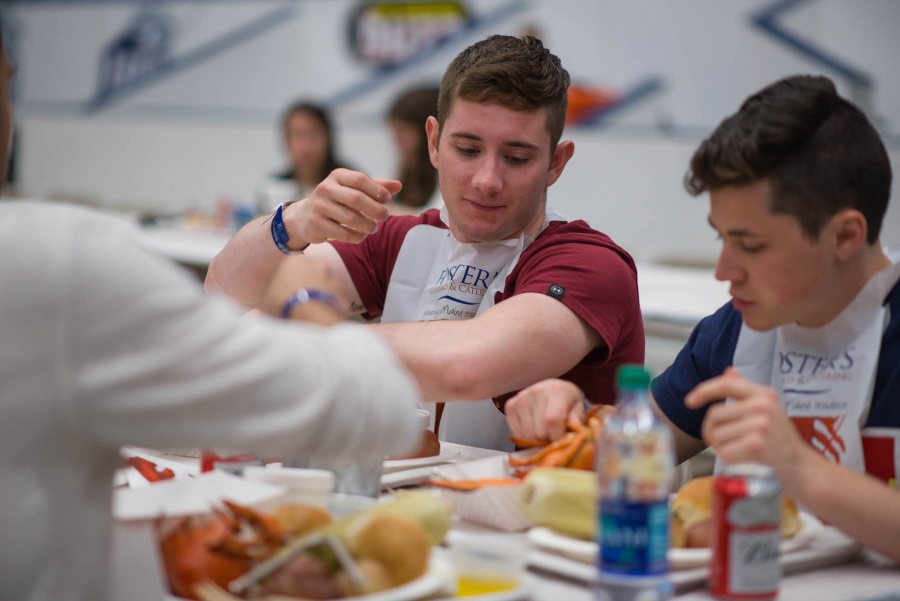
{"x":746,"y":531}
{"x":234,"y":464}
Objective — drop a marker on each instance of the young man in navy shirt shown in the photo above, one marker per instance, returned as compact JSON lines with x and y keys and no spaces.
{"x":806,"y":351}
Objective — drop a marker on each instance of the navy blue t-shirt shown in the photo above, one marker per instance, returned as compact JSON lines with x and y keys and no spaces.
{"x":710,"y":349}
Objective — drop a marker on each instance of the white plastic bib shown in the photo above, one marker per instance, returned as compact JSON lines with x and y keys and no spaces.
{"x":825,"y":376}
{"x":437,"y":277}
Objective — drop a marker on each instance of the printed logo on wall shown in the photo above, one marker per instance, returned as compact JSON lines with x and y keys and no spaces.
{"x":384,"y":34}
{"x":143,"y":54}
{"x":140,"y":50}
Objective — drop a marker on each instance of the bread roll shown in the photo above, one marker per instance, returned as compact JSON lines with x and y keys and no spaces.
{"x":691,"y":515}
{"x":790,"y":517}
{"x":297,"y":519}
{"x":691,"y":512}
{"x":398,"y":543}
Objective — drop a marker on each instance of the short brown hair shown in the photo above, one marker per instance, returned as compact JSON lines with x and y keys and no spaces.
{"x":818,"y":151}
{"x":518,"y":73}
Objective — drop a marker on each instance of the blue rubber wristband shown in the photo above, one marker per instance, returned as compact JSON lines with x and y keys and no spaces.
{"x":279,"y":232}
{"x":303,"y":296}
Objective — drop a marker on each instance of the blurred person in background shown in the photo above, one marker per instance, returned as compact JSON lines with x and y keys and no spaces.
{"x":406,"y":118}
{"x":491,"y":292}
{"x":806,"y":353}
{"x":308,"y":139}
{"x":106,"y":344}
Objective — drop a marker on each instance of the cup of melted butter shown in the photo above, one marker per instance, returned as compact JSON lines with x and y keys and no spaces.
{"x":486,"y":563}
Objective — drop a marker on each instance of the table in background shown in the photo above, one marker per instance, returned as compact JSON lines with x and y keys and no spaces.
{"x":193,"y":246}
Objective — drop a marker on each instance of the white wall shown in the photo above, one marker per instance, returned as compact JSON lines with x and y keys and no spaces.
{"x":209,"y":129}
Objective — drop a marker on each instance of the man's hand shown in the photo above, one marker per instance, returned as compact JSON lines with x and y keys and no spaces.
{"x":752,"y":427}
{"x":297,"y":272}
{"x":542,"y":411}
{"x":346,"y":206}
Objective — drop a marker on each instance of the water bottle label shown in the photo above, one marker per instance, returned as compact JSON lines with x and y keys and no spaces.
{"x":634,"y":537}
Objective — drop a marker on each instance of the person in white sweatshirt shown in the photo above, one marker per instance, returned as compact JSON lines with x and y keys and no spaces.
{"x":103,"y":344}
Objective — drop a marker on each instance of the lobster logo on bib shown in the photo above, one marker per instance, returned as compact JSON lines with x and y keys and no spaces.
{"x":823,"y":434}
{"x":815,"y":389}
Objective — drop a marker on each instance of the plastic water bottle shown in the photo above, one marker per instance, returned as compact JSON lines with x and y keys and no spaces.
{"x":635,"y":463}
{"x":242,"y":214}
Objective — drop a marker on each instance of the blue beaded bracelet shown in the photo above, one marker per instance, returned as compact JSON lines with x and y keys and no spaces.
{"x":279,"y":232}
{"x":304,"y":296}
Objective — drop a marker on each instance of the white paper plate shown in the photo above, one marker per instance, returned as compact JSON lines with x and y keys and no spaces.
{"x":406,"y":477}
{"x":439,"y":577}
{"x":690,"y":558}
{"x":549,"y":540}
{"x":437,"y":580}
{"x":679,"y":559}
{"x":446,"y":454}
{"x":189,"y":496}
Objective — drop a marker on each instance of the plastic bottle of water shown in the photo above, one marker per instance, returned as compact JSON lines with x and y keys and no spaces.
{"x":635,"y":463}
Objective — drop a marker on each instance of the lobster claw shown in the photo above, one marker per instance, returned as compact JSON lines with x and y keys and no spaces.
{"x":218,"y":549}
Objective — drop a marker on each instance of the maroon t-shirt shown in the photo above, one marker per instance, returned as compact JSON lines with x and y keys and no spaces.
{"x":581,"y":267}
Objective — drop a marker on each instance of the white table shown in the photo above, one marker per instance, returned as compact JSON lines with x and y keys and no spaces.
{"x":674,"y":299}
{"x":855,"y":579}
{"x":189,"y":245}
{"x":849,"y":582}
{"x":135,"y":575}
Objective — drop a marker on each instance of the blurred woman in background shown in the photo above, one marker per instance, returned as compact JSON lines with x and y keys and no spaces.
{"x":309,"y":143}
{"x":406,"y":119}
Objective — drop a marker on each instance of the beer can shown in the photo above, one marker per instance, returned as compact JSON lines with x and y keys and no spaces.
{"x":233,"y":464}
{"x":746,"y":533}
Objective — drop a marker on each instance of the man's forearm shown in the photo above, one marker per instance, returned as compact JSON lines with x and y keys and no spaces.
{"x":442,"y":373}
{"x":862,"y":507}
{"x":244,"y":267}
{"x":686,"y":446}
{"x":502,"y":350}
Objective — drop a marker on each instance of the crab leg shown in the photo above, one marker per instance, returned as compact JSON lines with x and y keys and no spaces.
{"x":466,"y":485}
{"x":539,"y":457}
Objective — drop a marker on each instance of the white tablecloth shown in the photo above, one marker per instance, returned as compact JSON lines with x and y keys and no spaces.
{"x":135,"y":569}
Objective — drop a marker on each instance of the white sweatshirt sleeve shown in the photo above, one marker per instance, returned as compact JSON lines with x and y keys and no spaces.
{"x":156,"y":362}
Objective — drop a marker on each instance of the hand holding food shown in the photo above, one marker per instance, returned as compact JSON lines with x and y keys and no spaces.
{"x":543,"y":411}
{"x":574,"y":450}
{"x":346,"y":206}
